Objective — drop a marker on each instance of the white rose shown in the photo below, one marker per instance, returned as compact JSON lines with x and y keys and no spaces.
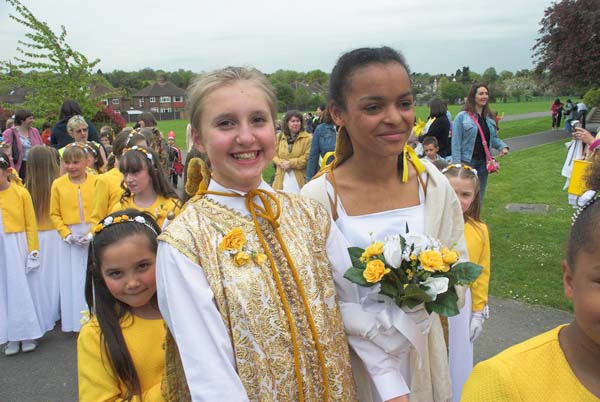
{"x":419,"y":241}
{"x":436,"y":285}
{"x":392,"y":251}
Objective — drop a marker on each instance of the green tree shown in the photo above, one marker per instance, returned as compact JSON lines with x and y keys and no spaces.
{"x":504,"y":75}
{"x":489,"y":75}
{"x":56,"y":71}
{"x":285,"y":95}
{"x":452,"y":91}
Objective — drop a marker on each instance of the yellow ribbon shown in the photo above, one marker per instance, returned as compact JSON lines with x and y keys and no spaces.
{"x":410,"y":154}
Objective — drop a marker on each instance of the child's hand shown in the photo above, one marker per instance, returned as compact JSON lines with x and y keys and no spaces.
{"x":476,"y":326}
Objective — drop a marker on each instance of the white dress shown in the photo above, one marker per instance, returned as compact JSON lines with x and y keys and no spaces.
{"x":50,"y":242}
{"x":18,"y":314}
{"x":460,"y":348}
{"x":361,"y":231}
{"x":73,"y":266}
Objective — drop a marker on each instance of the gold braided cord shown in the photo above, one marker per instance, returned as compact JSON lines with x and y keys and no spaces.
{"x":267,"y":213}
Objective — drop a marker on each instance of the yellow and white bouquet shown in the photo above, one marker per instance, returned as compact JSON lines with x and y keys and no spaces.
{"x":412,"y":269}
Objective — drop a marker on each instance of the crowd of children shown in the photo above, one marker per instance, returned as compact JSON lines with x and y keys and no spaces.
{"x":246,"y":276}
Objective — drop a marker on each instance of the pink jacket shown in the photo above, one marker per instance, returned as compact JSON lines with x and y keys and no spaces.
{"x":11,"y":134}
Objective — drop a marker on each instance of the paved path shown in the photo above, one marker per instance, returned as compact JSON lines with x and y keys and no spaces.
{"x":50,"y":373}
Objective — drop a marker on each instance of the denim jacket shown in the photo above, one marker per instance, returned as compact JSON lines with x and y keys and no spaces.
{"x":464,"y":134}
{"x":323,"y":141}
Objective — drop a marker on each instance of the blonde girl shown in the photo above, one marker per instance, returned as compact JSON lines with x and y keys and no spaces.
{"x":71,"y":203}
{"x":243,"y":275}
{"x":466,"y":327}
{"x":120,"y":352}
{"x":42,"y":171}
{"x":145,"y":186}
{"x":20,"y":321}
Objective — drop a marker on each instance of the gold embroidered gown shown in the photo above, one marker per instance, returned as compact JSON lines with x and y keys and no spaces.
{"x":230,"y":323}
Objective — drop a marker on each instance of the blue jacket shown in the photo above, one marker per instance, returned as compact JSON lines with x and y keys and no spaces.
{"x":323,"y":141}
{"x":464,"y":134}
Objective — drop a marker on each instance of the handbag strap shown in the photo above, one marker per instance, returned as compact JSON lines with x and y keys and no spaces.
{"x":488,"y":156}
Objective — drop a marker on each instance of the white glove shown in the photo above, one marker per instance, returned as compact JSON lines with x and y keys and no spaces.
{"x":365,"y":324}
{"x":85,"y":240}
{"x":476,"y":326}
{"x":420,"y":316}
{"x":70,"y":239}
{"x":33,"y":261}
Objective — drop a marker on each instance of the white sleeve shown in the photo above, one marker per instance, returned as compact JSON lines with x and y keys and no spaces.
{"x":187,"y":305}
{"x":384,"y":370}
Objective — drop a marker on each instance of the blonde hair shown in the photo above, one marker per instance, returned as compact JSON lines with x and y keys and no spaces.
{"x":205,"y":84}
{"x":75,"y":151}
{"x":74,"y":122}
{"x":42,"y":169}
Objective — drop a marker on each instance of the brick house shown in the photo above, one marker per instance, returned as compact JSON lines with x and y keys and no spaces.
{"x":111,"y":97}
{"x":163,"y":98}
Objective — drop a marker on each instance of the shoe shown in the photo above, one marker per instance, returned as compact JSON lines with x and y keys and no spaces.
{"x":12,"y":348}
{"x":28,"y":346}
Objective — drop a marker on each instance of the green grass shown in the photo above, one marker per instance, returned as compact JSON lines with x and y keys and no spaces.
{"x":517,"y":128}
{"x":506,"y":108}
{"x":527,"y":249}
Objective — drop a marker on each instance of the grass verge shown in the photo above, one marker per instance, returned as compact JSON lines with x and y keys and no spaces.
{"x":527,"y":249}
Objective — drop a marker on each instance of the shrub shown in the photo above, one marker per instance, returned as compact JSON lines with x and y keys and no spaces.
{"x":109,"y":117}
{"x":592,"y":97}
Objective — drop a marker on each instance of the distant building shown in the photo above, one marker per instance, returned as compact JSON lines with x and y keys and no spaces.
{"x":111,"y":97}
{"x":15,"y":96}
{"x":163,"y":98}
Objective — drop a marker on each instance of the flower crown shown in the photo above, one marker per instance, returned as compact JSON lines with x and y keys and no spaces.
{"x":586,"y":199}
{"x":459,"y":166}
{"x":129,"y":138}
{"x":109,"y":220}
{"x":89,"y":145}
{"x":4,"y":159}
{"x":84,"y":147}
{"x":140,"y":149}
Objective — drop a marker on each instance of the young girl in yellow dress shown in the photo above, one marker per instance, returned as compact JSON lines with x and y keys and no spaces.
{"x":146,"y":187}
{"x":244,"y":278}
{"x":19,"y":319}
{"x":71,"y":203}
{"x":120,"y":352}
{"x":42,"y":170}
{"x":466,"y":327}
{"x":562,"y":364}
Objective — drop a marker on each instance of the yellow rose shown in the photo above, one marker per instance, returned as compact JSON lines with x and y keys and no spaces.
{"x":234,"y":241}
{"x":374,"y":249}
{"x":449,"y":256}
{"x":241,"y":258}
{"x":260,"y":258}
{"x":431,"y":260}
{"x":375,"y":271}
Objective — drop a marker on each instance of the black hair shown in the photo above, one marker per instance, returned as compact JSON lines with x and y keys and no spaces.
{"x":108,"y":310}
{"x":21,"y":115}
{"x":4,"y":162}
{"x":286,"y":119}
{"x":148,"y":119}
{"x":430,"y":139}
{"x":585,"y":230}
{"x":347,"y":64}
{"x":69,"y":109}
{"x":437,"y":108}
{"x":133,"y":161}
{"x":46,"y":125}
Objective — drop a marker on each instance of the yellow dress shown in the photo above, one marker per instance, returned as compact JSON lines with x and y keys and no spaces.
{"x":159,"y":209}
{"x":65,"y":201}
{"x":535,"y":370}
{"x":107,"y":195}
{"x":478,"y":245}
{"x":97,"y":379}
{"x":18,"y":215}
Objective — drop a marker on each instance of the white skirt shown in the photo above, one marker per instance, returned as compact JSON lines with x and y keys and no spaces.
{"x":73,"y":266}
{"x":460,"y":348}
{"x":18,"y":315}
{"x":50,"y":242}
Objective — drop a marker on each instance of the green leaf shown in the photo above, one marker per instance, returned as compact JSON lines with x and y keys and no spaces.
{"x":355,"y":253}
{"x":389,"y":289}
{"x":414,"y":291}
{"x":355,"y":275}
{"x":445,"y":304}
{"x":466,"y":272}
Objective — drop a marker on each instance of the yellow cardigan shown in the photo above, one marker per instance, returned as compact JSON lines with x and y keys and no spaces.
{"x":18,"y":214}
{"x":535,"y":370}
{"x":97,"y":379}
{"x":478,"y":245}
{"x":107,"y":195}
{"x":159,"y":209}
{"x":64,"y":202}
{"x":298,"y":158}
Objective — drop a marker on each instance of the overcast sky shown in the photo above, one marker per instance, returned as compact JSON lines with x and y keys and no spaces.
{"x":436,"y":36}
